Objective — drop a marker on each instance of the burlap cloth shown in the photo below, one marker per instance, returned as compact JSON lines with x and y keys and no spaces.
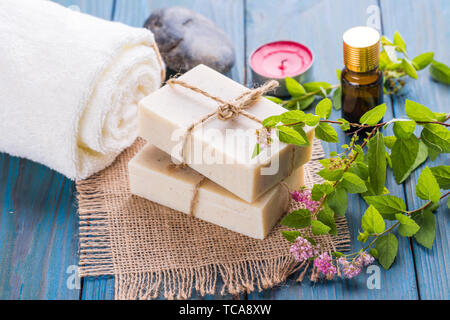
{"x":153,"y":250}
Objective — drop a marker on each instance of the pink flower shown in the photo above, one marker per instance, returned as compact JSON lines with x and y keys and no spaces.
{"x":350,"y":270}
{"x":303,"y":196}
{"x":264,"y":137}
{"x":324,"y":265}
{"x":364,"y":259}
{"x":302,"y":249}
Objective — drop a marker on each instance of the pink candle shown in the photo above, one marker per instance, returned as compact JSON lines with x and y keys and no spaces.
{"x":280,"y":59}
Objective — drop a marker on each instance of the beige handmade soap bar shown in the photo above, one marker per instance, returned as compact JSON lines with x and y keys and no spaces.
{"x":220,"y":150}
{"x":152,"y":177}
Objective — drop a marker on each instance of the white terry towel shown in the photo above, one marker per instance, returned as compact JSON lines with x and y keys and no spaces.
{"x":70,"y":84}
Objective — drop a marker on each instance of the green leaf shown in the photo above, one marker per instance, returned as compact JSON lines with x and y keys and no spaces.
{"x":337,"y":103}
{"x":442,"y":175}
{"x":386,"y":41}
{"x":384,"y":60}
{"x":319,"y":190}
{"x":326,"y":216}
{"x":338,"y":74}
{"x":421,"y":158}
{"x":403,"y":129}
{"x":290,"y":236}
{"x":372,"y":221}
{"x":423,"y":60}
{"x":274,"y":99}
{"x":387,"y":247}
{"x":311,"y":119}
{"x":326,"y":133}
{"x":409,"y":68}
{"x":324,"y":108}
{"x":433,"y":153}
{"x":293,"y":116}
{"x":352,"y":183}
{"x":292,"y":136}
{"x":317,"y":86}
{"x":440,"y":116}
{"x":387,"y":205}
{"x":377,"y":163}
{"x":360,"y":169}
{"x":256,"y":151}
{"x":363,"y":236}
{"x":305,"y":103}
{"x":403,"y":156}
{"x":389,"y":141}
{"x":337,"y":254}
{"x":399,"y":42}
{"x":408,"y":227}
{"x":271,"y":122}
{"x":337,"y":201}
{"x":391,"y":54}
{"x":294,"y":88}
{"x":418,"y":112}
{"x":373,"y":252}
{"x":298,"y":219}
{"x":427,"y":187}
{"x":331,"y":175}
{"x":427,"y":232}
{"x":440,"y":72}
{"x":345,"y":125}
{"x":373,"y":116}
{"x":436,"y":137}
{"x":319,"y":228}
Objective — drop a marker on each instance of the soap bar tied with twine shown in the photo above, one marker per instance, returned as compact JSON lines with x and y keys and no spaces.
{"x":225,"y":111}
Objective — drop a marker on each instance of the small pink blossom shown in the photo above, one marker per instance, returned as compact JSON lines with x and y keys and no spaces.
{"x":350,"y":270}
{"x":324,"y":265}
{"x":302,"y":249}
{"x":264,"y":137}
{"x":364,"y":259}
{"x":303,"y":196}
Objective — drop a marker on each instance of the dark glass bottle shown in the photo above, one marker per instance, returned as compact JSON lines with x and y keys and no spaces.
{"x":361,"y":80}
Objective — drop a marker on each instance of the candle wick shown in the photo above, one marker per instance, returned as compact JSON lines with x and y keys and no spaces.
{"x":281,"y":67}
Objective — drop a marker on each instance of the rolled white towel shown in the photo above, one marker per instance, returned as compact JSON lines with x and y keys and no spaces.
{"x":70,"y":84}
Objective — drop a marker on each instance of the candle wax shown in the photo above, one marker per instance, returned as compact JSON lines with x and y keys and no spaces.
{"x":281,"y":59}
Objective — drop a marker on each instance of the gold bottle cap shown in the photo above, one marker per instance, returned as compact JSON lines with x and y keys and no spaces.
{"x":361,"y":49}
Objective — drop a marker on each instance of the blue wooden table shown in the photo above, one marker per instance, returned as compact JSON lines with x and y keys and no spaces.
{"x":38,"y":213}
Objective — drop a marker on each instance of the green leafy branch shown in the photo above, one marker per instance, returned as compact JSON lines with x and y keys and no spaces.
{"x":394,"y":63}
{"x":361,"y":169}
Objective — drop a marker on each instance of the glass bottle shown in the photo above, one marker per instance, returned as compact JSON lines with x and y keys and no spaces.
{"x":361,"y":80}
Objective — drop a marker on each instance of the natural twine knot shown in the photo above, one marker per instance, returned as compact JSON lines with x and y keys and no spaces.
{"x":227,"y":112}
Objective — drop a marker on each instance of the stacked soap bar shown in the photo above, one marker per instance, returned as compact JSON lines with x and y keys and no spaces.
{"x":222,"y":183}
{"x":165,"y":115}
{"x":153,"y":176}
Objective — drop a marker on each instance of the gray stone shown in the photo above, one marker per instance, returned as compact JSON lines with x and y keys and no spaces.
{"x":187,"y":39}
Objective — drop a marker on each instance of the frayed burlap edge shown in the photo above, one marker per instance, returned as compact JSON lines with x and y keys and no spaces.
{"x":96,"y":257}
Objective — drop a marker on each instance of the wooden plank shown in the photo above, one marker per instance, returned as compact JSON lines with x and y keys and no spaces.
{"x":98,"y":8}
{"x":38,"y":228}
{"x":425,"y":26}
{"x":320,"y":25}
